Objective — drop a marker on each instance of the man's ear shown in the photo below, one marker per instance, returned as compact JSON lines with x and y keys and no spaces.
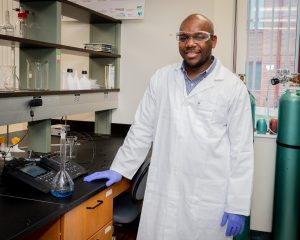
{"x":214,"y":40}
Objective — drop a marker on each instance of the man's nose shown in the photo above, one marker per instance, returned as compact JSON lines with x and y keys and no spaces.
{"x":190,"y":41}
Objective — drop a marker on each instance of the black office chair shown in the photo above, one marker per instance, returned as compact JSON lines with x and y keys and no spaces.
{"x":128,"y":205}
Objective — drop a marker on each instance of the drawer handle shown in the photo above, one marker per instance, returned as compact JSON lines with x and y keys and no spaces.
{"x":97,"y":205}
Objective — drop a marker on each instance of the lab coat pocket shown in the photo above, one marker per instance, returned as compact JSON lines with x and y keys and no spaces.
{"x":202,"y":220}
{"x":201,"y":118}
{"x":220,"y":114}
{"x":213,"y":192}
{"x":203,"y":110}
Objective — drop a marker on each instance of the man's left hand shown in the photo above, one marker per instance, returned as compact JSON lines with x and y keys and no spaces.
{"x":235,"y":223}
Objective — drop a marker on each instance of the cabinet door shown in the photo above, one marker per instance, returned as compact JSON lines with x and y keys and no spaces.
{"x":98,"y":212}
{"x":72,"y":224}
{"x":104,"y":234}
{"x":89,"y":217}
{"x":49,"y":232}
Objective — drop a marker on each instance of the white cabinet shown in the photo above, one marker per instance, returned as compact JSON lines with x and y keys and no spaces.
{"x":263,"y":184}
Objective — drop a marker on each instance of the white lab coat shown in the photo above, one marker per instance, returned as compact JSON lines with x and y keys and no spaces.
{"x":202,"y":157}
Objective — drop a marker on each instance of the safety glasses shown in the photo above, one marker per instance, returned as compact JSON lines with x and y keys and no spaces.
{"x":201,"y":36}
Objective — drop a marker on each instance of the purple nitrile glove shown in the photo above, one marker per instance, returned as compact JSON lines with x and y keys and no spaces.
{"x":112,"y":176}
{"x":235,"y":223}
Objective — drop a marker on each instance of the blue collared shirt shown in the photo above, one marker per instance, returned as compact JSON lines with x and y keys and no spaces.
{"x":191,"y":84}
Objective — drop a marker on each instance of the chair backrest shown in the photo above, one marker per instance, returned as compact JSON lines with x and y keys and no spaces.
{"x":139,"y":181}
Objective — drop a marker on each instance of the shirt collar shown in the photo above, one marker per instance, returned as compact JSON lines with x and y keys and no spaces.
{"x":205,"y":72}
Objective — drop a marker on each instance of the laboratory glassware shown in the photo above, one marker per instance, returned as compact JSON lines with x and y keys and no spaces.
{"x":109,"y":79}
{"x":37,"y":74}
{"x":7,"y":27}
{"x":71,"y":147}
{"x":21,"y":25}
{"x":7,"y":77}
{"x":62,"y":185}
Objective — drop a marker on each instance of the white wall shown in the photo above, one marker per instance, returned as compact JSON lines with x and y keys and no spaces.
{"x":75,"y":34}
{"x":150,"y":43}
{"x":241,"y":36}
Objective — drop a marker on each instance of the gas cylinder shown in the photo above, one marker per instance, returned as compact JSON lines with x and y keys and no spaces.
{"x":252,"y":101}
{"x":286,"y":212}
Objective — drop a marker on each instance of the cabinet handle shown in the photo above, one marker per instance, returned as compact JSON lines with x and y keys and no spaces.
{"x":97,"y":205}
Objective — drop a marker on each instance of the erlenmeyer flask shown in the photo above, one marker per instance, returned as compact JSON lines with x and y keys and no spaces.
{"x":62,"y":185}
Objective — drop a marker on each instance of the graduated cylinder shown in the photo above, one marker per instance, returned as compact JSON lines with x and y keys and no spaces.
{"x":286,"y":218}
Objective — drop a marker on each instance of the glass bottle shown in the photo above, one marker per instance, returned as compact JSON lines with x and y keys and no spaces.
{"x":62,"y":185}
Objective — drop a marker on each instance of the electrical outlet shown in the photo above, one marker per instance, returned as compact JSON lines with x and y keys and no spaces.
{"x":106,"y":95}
{"x":76,"y":98}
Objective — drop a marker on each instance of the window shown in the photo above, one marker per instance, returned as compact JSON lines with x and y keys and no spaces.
{"x":254,"y":80}
{"x":271,"y":45}
{"x":256,"y":14}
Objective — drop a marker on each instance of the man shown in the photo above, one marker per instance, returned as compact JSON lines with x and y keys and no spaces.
{"x":197,"y":114}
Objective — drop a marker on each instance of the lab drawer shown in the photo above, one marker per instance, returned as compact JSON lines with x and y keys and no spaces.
{"x":104,"y":234}
{"x":89,"y":217}
{"x":98,"y":212}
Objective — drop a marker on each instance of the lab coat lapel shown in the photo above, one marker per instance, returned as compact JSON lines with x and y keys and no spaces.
{"x":179,"y":79}
{"x":216,"y":75}
{"x":209,"y":81}
{"x":205,"y":84}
